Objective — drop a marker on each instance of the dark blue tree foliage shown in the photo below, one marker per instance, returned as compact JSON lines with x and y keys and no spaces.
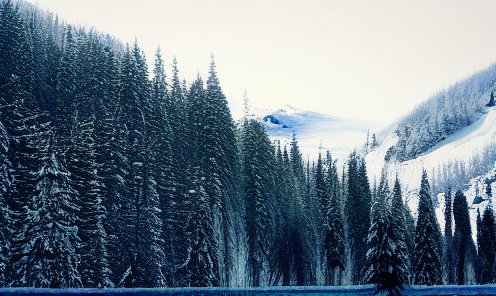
{"x":486,"y":242}
{"x":465,"y":253}
{"x":110,"y":178}
{"x":334,"y":242}
{"x":386,"y":261}
{"x":449,"y":260}
{"x":257,"y":158}
{"x":358,"y":206}
{"x":427,"y":256}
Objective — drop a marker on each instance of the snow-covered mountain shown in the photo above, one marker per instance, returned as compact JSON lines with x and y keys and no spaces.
{"x":464,"y":146}
{"x":313,"y":130}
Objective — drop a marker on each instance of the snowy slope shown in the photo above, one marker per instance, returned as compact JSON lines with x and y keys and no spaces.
{"x":313,"y":130}
{"x":459,"y":146}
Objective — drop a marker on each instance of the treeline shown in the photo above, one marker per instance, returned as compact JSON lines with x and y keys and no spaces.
{"x":443,"y":114}
{"x":457,"y":174}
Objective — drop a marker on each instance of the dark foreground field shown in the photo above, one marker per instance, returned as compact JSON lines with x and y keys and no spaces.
{"x":273,"y":291}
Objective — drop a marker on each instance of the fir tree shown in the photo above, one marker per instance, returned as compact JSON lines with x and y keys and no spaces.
{"x":358,"y":215}
{"x":334,"y":233}
{"x":486,"y":241}
{"x":402,"y":238}
{"x":464,"y":246}
{"x":4,"y":186}
{"x":49,"y":253}
{"x":257,"y":177}
{"x":385,"y":261}
{"x":448,"y":237}
{"x":219,"y":160}
{"x":427,"y":256}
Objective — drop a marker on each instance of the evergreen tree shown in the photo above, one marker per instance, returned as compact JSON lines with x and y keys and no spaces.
{"x":282,"y":255}
{"x":334,"y":233}
{"x":301,"y":234}
{"x":199,"y":226}
{"x":486,"y":241}
{"x":49,"y":256}
{"x":257,"y":159}
{"x":200,"y":247}
{"x":399,"y":221}
{"x":94,"y":267}
{"x":385,"y":259}
{"x":448,"y":237}
{"x":427,"y":256}
{"x":220,"y":163}
{"x":358,"y":215}
{"x":161,"y":165}
{"x":464,"y":246}
{"x":4,"y":185}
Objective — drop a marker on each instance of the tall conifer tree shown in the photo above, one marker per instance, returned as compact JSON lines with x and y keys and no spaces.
{"x":427,"y":256}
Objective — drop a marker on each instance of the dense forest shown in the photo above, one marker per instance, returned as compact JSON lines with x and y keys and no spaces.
{"x":110,"y":177}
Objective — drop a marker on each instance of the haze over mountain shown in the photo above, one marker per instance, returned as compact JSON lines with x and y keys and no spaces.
{"x":315,"y":131}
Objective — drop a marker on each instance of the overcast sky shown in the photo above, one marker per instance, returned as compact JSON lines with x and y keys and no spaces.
{"x":372,"y":60}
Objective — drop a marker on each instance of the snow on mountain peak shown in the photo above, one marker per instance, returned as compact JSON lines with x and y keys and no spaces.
{"x":314,"y":131}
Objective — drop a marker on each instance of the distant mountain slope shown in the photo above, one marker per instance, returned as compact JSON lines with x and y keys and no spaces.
{"x":472,"y":149}
{"x":313,"y":130}
{"x":445,"y":113}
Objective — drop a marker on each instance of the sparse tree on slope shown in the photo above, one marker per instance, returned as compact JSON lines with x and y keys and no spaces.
{"x":491,"y":101}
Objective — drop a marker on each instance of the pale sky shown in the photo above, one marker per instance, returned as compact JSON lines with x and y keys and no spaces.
{"x":368,"y":60}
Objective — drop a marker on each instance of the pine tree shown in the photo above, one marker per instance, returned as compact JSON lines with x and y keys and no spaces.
{"x":4,"y":185}
{"x":427,"y":256}
{"x":49,"y":256}
{"x":464,"y":246}
{"x":94,"y":267}
{"x":385,"y":261}
{"x":448,"y":237}
{"x":486,"y":241}
{"x":358,"y":215}
{"x":257,"y":159}
{"x":199,"y":231}
{"x":199,"y":240}
{"x":162,"y":165}
{"x":399,"y":220}
{"x":220,"y":163}
{"x":282,"y":256}
{"x":301,"y":232}
{"x":334,"y":237}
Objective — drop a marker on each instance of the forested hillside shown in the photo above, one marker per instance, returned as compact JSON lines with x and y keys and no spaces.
{"x":114,"y":177}
{"x":445,"y":113}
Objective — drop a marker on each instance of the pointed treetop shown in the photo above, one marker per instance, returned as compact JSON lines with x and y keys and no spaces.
{"x":246,"y":104}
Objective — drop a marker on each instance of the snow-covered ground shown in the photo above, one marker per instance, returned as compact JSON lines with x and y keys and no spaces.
{"x":313,"y":130}
{"x":460,"y":146}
